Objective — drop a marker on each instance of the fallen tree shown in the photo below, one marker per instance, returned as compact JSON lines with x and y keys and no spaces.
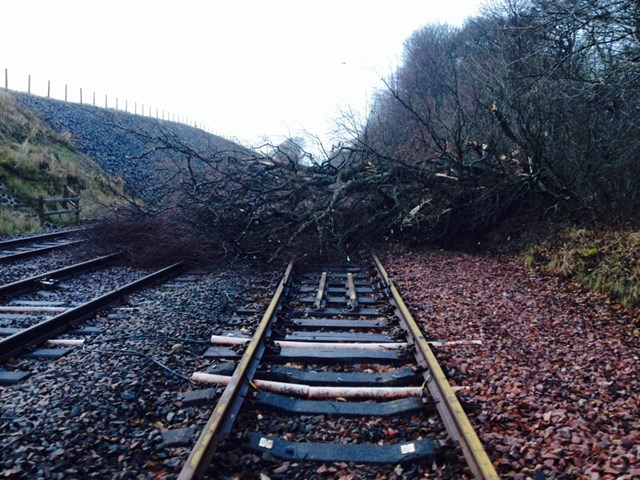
{"x":228,"y":203}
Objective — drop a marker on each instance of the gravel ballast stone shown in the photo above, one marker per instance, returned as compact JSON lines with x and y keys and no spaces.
{"x":105,"y":410}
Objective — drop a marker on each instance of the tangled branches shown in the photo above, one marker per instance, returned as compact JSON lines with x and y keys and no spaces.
{"x":238,"y":202}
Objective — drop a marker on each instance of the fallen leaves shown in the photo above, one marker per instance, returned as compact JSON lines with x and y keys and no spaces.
{"x":557,"y":377}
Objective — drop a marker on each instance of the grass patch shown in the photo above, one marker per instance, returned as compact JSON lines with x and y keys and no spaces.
{"x":606,"y":261}
{"x":13,"y":222}
{"x":36,"y":162}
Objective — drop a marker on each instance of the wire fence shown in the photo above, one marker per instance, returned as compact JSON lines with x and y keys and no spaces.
{"x":116,"y":103}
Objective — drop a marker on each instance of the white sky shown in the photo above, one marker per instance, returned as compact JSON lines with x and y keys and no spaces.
{"x":243,"y":68}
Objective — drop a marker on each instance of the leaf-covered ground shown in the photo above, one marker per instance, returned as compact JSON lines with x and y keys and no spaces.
{"x":555,"y":385}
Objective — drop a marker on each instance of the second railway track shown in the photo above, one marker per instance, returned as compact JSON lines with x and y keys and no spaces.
{"x":33,"y":245}
{"x":338,"y":357}
{"x":34,"y":310}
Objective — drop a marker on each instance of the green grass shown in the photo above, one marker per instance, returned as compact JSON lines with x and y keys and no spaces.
{"x":35,"y":162}
{"x":606,"y":261}
{"x":13,"y":223}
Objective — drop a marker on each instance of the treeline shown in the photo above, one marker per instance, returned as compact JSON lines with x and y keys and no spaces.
{"x":532,"y":109}
{"x":534,"y":104}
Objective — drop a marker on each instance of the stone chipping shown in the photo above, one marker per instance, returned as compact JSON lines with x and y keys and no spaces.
{"x":101,"y":411}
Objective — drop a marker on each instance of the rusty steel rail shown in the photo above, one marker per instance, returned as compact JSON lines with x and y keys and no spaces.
{"x":295,"y":392}
{"x":37,"y":238}
{"x":36,"y":281}
{"x":47,"y":329}
{"x":21,"y":243}
{"x":455,"y":419}
{"x":224,"y":413}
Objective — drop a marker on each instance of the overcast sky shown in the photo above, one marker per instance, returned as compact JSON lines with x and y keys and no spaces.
{"x":244,"y":68}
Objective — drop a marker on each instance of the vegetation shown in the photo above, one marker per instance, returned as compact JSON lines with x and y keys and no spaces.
{"x":531,"y":109}
{"x":527,"y":115}
{"x":606,"y":261}
{"x":35,"y":162}
{"x":534,"y":104}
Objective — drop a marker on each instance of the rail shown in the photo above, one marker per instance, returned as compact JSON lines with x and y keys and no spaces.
{"x":40,"y":244}
{"x":451,"y":412}
{"x":44,"y":330}
{"x":31,"y":283}
{"x":221,"y":419}
{"x":16,"y":242}
{"x":304,"y":392}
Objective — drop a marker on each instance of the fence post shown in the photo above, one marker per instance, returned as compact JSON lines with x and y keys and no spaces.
{"x":29,"y":84}
{"x":65,"y":92}
{"x":116,"y":103}
{"x":68,"y":191}
{"x":41,"y":210}
{"x":6,"y":79}
{"x":48,"y":88}
{"x":81,"y":96}
{"x":105,"y":100}
{"x":78,"y":209}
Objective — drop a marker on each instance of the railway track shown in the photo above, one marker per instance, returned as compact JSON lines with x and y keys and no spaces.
{"x":338,"y":343}
{"x":36,"y":311}
{"x":33,"y":245}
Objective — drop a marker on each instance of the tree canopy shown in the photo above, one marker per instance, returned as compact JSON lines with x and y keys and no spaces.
{"x":530,"y":108}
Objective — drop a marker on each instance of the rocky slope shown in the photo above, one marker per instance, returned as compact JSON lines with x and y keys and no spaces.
{"x":140,"y":150}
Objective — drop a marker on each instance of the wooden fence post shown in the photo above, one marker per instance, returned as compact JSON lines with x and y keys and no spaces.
{"x":69,"y":202}
{"x":65,"y":92}
{"x":29,"y":84}
{"x":94,"y":99}
{"x":41,"y":210}
{"x":6,"y":79}
{"x":81,"y":96}
{"x":48,"y":88}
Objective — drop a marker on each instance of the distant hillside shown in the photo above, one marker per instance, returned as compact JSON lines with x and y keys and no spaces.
{"x":132,"y":147}
{"x":37,"y":162}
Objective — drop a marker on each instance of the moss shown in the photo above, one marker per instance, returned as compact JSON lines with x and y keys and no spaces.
{"x":606,"y":261}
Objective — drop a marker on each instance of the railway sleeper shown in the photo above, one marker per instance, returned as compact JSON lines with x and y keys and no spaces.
{"x":317,"y":355}
{"x":420,"y":450}
{"x":278,"y":373}
{"x":342,"y":324}
{"x":12,"y":377}
{"x":333,"y":275}
{"x":337,"y":300}
{"x":333,"y":282}
{"x":301,"y":406}
{"x":343,"y":312}
{"x":338,"y":290}
{"x":320,"y":336}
